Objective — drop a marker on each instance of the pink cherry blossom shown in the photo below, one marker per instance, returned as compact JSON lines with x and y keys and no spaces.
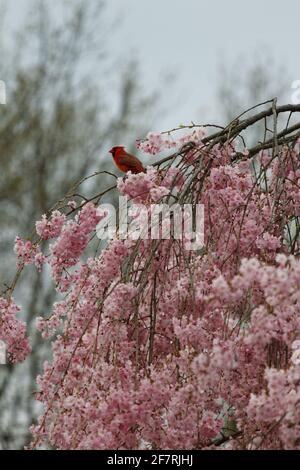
{"x":50,"y":228}
{"x":13,"y":331}
{"x":157,"y":346}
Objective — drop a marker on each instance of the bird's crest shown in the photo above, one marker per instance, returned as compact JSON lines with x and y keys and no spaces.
{"x":113,"y":150}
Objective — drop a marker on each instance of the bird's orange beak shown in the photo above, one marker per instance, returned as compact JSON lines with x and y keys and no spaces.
{"x":111,"y":151}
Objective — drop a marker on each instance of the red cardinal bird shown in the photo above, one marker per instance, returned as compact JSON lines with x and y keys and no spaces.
{"x":126,"y":162}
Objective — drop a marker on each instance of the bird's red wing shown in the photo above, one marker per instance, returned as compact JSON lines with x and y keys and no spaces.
{"x":131,"y":163}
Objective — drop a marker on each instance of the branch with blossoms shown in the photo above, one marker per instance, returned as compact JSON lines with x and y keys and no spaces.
{"x":156,"y":346}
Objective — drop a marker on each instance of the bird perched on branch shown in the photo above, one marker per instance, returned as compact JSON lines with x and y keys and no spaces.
{"x":125,"y":161}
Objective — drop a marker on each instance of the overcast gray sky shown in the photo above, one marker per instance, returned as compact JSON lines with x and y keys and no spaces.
{"x":189,"y":38}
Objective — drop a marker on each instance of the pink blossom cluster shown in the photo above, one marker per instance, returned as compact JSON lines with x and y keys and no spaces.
{"x":28,"y":253}
{"x":152,"y":352}
{"x":51,"y":325}
{"x":50,"y":228}
{"x":13,"y":331}
{"x":156,"y":143}
{"x":156,"y":346}
{"x":277,"y":403}
{"x":137,"y":187}
{"x":151,"y":186}
{"x":73,"y":239}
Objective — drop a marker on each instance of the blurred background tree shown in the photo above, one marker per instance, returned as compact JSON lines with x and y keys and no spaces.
{"x":56,"y":128}
{"x":247,"y":81}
